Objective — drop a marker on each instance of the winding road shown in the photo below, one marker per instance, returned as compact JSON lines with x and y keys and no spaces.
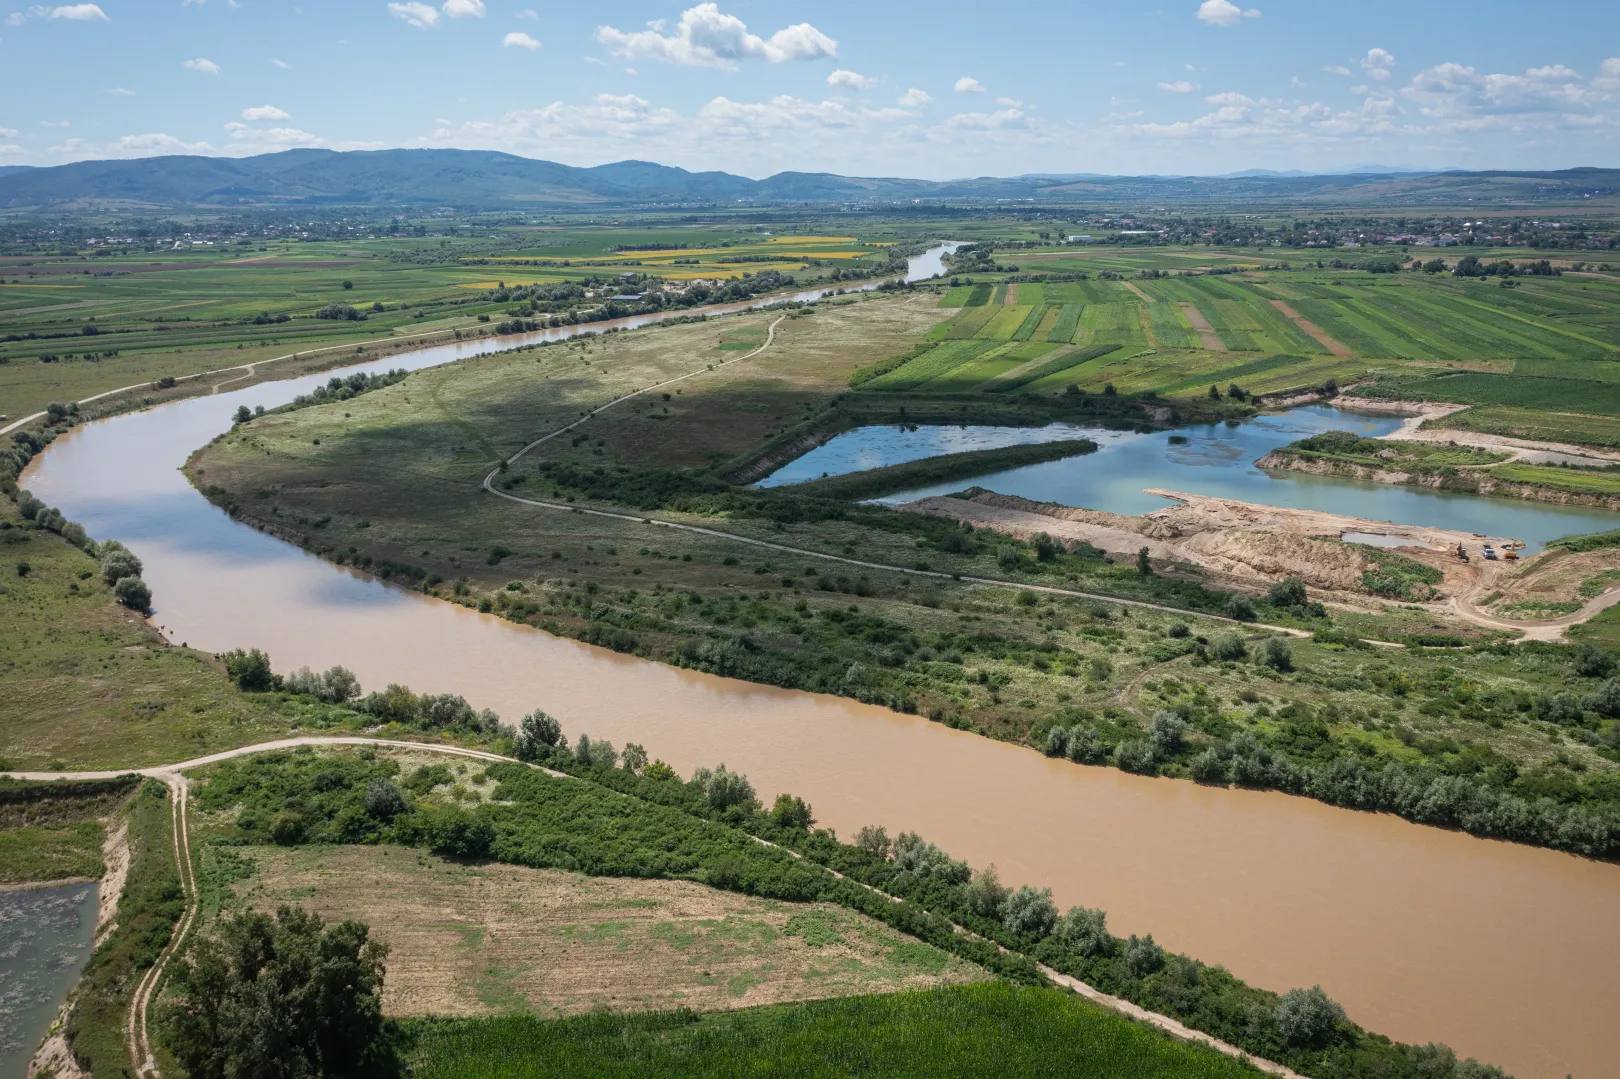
{"x":173,"y":776}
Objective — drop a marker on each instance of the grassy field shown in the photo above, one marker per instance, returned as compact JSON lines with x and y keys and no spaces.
{"x":75,"y":665}
{"x":968,"y":1031}
{"x":468,"y":940}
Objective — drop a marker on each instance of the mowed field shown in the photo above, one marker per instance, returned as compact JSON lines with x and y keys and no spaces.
{"x":489,"y":939}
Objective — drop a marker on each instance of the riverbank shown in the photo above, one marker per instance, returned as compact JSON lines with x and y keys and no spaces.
{"x":870,"y":483}
{"x":1537,"y":476}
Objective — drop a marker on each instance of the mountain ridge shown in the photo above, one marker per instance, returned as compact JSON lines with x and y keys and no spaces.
{"x":488,"y":179}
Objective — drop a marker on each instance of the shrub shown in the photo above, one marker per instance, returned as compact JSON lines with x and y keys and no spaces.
{"x":634,"y":759}
{"x":133,"y":593}
{"x":384,"y":801}
{"x":1178,"y":630}
{"x":1304,"y":1016}
{"x":793,"y":812}
{"x":457,"y":833}
{"x":1057,"y":742}
{"x":1007,"y":556}
{"x":1136,"y":755}
{"x":1046,"y":548}
{"x":1228,"y":648}
{"x":1287,"y":593}
{"x":597,"y":754}
{"x":1085,"y":931}
{"x":725,"y":789}
{"x":1590,"y":662}
{"x":250,"y":670}
{"x":1142,"y":956}
{"x":120,"y":562}
{"x":985,"y":895}
{"x":1208,"y":767}
{"x":1169,"y":733}
{"x":1030,"y":912}
{"x":287,"y":828}
{"x":1605,"y":701}
{"x":914,"y":856}
{"x":537,"y":733}
{"x":873,"y":840}
{"x":1239,"y":607}
{"x":335,"y":686}
{"x":1276,"y":654}
{"x":341,"y":312}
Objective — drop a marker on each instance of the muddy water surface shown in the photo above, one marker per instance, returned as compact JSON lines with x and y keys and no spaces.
{"x":1506,"y":952}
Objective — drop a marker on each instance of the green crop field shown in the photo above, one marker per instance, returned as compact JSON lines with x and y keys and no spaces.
{"x":1006,"y":322}
{"x":1032,"y":321}
{"x":1549,"y":394}
{"x":1068,"y":321}
{"x":993,"y":1029}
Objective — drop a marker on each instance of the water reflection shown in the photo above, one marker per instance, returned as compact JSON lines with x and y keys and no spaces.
{"x":1216,"y":460}
{"x":45,"y":937}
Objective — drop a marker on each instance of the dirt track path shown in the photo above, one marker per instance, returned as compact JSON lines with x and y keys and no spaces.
{"x":174,"y":775}
{"x":1313,"y":329}
{"x":1206,"y":333}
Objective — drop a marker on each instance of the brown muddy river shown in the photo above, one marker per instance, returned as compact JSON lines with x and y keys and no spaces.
{"x":1508,"y":953}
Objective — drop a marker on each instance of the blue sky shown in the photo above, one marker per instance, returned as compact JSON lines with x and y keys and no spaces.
{"x":930,"y":90}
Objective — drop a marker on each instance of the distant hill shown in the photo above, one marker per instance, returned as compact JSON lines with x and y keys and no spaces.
{"x":484,"y":180}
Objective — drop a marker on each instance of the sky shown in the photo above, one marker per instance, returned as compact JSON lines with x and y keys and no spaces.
{"x":889,"y":88}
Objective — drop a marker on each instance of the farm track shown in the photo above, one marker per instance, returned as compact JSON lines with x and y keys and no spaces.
{"x":1317,"y":333}
{"x":173,"y":775}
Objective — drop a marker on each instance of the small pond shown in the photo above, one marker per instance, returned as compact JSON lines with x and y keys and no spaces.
{"x":1216,"y":460}
{"x":45,"y":938}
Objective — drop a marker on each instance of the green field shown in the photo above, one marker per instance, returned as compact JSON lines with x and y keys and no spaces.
{"x":992,"y":1029}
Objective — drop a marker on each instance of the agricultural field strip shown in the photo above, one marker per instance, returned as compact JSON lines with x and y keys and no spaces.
{"x":173,"y":775}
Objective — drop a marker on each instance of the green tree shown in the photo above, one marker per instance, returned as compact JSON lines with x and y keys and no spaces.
{"x":1304,"y":1016}
{"x":1143,"y":566}
{"x":1085,"y":931}
{"x":117,"y":562}
{"x":243,"y":414}
{"x":1287,"y":593}
{"x":133,"y":593}
{"x":537,"y":733}
{"x":273,"y":998}
{"x":1229,"y":648}
{"x":250,"y":670}
{"x":1239,"y":607}
{"x":1030,"y":912}
{"x":1276,"y":654}
{"x":791,"y":811}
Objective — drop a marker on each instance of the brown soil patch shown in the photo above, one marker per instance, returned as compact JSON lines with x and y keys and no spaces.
{"x":488,"y":939}
{"x":1556,"y":576}
{"x":1242,"y":543}
{"x":1144,"y":296}
{"x":1012,"y":294}
{"x":1200,"y":324}
{"x":1313,"y":329}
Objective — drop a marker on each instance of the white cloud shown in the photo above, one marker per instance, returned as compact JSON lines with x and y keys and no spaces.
{"x":1009,"y":102}
{"x":417,"y":14}
{"x":1336,"y":69}
{"x":517,"y":39}
{"x":9,"y":132}
{"x":1181,"y":86}
{"x":142,"y":146}
{"x":528,"y":13}
{"x":915,"y":98}
{"x":1296,"y":82}
{"x":1378,"y":64}
{"x":1229,"y":98}
{"x":851,"y":79}
{"x":265,"y":112}
{"x":206,"y":67}
{"x":967,"y":84}
{"x":464,"y":9}
{"x":987,"y":121}
{"x":282,"y":64}
{"x":55,"y":123}
{"x":119,"y":91}
{"x":76,"y":12}
{"x":707,"y":37}
{"x":261,"y":139}
{"x":1224,"y":13}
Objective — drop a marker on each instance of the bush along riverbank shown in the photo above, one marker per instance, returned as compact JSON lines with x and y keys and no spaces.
{"x":626,"y":816}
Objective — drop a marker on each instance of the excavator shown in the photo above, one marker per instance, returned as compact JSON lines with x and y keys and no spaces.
{"x":1462,"y":553}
